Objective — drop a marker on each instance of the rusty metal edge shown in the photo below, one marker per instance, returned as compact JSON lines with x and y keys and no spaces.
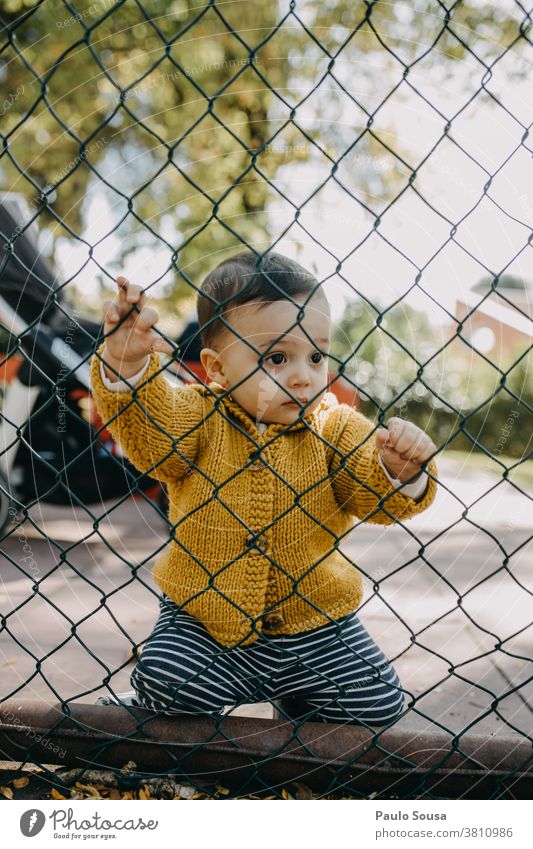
{"x":247,"y":749}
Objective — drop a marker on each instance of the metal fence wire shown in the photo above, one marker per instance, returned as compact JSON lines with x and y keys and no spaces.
{"x":54,"y":452}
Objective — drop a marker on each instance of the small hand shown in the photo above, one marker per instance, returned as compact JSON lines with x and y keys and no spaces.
{"x":403,"y":448}
{"x":129,"y":328}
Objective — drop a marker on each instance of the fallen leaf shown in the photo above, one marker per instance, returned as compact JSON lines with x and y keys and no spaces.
{"x":144,"y":793}
{"x":7,"y":791}
{"x":285,"y":794}
{"x":162,"y":788}
{"x":301,"y":791}
{"x":55,"y":794}
{"x":88,"y":788}
{"x":129,"y":767}
{"x":222,"y":790}
{"x":114,"y":794}
{"x":23,"y":781}
{"x":186,"y":792}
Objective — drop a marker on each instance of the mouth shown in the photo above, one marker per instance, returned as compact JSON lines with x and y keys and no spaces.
{"x":301,"y":402}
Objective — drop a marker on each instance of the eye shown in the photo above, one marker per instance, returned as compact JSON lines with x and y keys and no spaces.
{"x":276,"y":359}
{"x":317,"y":357}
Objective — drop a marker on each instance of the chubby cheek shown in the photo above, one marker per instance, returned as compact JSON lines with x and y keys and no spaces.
{"x":314,"y":404}
{"x":319,"y":387}
{"x":258,"y":394}
{"x":267,"y":391}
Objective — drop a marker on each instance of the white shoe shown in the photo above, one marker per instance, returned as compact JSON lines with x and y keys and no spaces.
{"x":129,"y":698}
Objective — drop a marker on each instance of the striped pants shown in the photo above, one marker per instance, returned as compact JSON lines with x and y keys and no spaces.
{"x":336,"y":671}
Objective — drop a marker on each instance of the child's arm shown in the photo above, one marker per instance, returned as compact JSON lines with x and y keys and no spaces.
{"x":362,"y":486}
{"x":156,"y":424}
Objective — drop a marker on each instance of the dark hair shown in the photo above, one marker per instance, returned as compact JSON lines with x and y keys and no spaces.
{"x":247,"y":277}
{"x":189,"y":341}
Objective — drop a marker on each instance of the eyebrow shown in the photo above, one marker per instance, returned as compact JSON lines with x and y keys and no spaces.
{"x":280,"y":342}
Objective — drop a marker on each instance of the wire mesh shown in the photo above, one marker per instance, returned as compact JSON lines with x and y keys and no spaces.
{"x":59,"y":453}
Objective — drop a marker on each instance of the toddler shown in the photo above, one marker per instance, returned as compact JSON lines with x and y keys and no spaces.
{"x":266,"y":474}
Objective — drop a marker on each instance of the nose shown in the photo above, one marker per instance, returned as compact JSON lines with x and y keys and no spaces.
{"x":299,"y":378}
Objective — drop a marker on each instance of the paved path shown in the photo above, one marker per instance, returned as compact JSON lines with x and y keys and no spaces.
{"x":449,"y":598}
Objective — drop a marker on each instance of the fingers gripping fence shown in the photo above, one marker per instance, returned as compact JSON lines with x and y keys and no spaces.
{"x":443,"y":706}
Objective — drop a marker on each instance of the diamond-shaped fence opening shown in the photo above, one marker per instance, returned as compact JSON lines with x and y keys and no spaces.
{"x":387,"y":149}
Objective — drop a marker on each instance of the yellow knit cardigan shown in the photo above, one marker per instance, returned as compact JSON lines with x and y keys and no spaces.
{"x":256,"y":517}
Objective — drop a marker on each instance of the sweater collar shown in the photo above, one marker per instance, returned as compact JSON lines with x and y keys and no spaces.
{"x":231,"y":406}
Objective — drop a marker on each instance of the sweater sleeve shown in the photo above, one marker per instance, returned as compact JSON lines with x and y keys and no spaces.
{"x":156,"y":424}
{"x":360,"y":483}
{"x":123,"y":385}
{"x":416,"y":489}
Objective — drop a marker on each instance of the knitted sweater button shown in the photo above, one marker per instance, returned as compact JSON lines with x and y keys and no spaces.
{"x":257,"y":465}
{"x":273,"y":620}
{"x":261,"y":541}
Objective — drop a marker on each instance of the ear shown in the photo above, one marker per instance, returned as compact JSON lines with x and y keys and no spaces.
{"x":212,"y":364}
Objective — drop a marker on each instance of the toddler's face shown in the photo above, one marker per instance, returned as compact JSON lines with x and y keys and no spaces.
{"x":291,"y":376}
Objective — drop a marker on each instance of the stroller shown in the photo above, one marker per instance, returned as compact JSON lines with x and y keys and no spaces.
{"x":52,"y":445}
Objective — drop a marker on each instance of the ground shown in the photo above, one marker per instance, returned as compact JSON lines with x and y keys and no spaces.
{"x":448,"y":598}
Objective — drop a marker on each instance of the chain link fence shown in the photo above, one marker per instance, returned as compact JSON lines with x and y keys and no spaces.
{"x":448,"y":595}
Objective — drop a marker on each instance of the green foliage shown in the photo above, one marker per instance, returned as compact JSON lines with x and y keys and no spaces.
{"x":166,"y":110}
{"x":357,"y":61}
{"x":506,"y":281}
{"x":158,"y":114}
{"x":404,"y":366}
